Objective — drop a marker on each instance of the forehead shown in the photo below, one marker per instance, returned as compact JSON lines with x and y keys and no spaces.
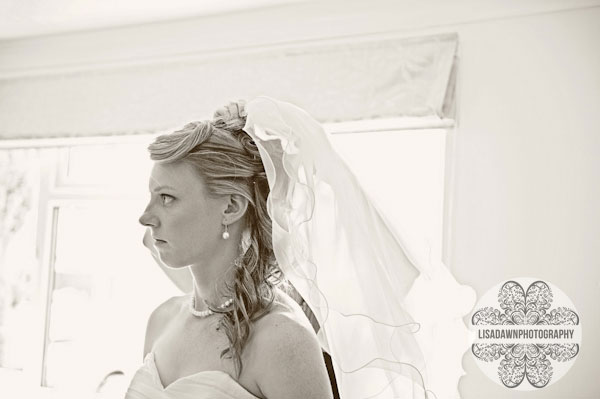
{"x":178,"y":176}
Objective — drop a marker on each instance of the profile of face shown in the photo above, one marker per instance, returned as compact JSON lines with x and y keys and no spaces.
{"x":185,"y":221}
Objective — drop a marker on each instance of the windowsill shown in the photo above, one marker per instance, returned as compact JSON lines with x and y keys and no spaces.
{"x":15,"y":385}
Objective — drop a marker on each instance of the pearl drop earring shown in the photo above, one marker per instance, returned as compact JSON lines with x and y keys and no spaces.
{"x":225,"y":233}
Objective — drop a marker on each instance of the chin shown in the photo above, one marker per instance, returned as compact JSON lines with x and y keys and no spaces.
{"x":172,"y":263}
{"x":176,"y":266}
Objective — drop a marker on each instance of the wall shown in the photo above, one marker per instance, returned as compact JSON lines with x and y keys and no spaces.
{"x":524,"y":189}
{"x":527,"y":172}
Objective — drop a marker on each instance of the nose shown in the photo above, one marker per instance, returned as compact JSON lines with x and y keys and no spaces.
{"x":148,"y":219}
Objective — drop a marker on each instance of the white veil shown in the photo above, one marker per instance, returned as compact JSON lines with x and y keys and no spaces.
{"x":353,"y":270}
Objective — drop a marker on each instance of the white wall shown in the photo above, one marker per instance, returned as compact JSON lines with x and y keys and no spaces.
{"x":528,"y":172}
{"x":523,"y":201}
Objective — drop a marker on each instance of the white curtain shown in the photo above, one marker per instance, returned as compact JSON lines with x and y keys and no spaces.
{"x":351,"y":80}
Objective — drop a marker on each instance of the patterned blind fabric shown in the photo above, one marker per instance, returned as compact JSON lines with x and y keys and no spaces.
{"x":332,"y":81}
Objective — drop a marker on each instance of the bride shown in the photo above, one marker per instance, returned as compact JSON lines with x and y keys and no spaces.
{"x":257,"y":205}
{"x":208,"y":212}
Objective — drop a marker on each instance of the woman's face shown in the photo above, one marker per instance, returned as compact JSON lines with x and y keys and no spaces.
{"x":186,"y":223}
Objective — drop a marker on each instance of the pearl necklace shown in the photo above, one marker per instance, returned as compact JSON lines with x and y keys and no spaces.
{"x":207,"y":312}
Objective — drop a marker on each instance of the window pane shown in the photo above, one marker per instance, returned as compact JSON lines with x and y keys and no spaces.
{"x":106,"y":283}
{"x":403,"y":172}
{"x":105,"y":286}
{"x":20,"y":323}
{"x":112,"y":164}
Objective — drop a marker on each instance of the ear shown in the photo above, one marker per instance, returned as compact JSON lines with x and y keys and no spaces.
{"x":236,"y":208}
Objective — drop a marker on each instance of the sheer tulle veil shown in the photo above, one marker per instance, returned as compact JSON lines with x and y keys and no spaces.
{"x":391,"y":322}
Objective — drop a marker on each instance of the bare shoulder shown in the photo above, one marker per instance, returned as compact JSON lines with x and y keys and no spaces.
{"x":289,"y":360}
{"x":159,"y":318}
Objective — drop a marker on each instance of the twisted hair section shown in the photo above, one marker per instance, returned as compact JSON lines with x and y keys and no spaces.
{"x":228,"y":161}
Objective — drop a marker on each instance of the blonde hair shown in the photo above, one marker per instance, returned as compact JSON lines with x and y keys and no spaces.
{"x":229,"y":162}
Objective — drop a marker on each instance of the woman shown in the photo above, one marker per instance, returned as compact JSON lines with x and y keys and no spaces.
{"x":250,"y":201}
{"x":237,"y":333}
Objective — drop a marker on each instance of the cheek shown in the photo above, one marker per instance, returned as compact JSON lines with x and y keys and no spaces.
{"x":199,"y":231}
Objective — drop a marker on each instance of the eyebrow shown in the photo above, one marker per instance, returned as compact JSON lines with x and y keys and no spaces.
{"x":162,"y":188}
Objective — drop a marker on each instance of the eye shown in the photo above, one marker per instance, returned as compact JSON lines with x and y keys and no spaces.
{"x":166,"y":198}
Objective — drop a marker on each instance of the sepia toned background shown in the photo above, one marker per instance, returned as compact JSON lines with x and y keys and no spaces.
{"x":473,"y":125}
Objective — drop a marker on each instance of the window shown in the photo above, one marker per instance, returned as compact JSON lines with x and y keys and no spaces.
{"x":403,"y":169}
{"x":88,"y":295}
{"x":83,"y":286}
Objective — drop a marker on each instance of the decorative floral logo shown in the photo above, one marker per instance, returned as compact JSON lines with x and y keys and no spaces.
{"x":528,"y":334}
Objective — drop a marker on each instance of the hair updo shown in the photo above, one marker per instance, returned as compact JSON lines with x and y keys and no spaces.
{"x":228,"y":161}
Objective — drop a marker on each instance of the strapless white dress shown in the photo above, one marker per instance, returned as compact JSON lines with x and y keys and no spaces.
{"x":214,"y":384}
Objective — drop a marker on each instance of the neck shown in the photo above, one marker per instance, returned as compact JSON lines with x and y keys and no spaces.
{"x":211,"y":276}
